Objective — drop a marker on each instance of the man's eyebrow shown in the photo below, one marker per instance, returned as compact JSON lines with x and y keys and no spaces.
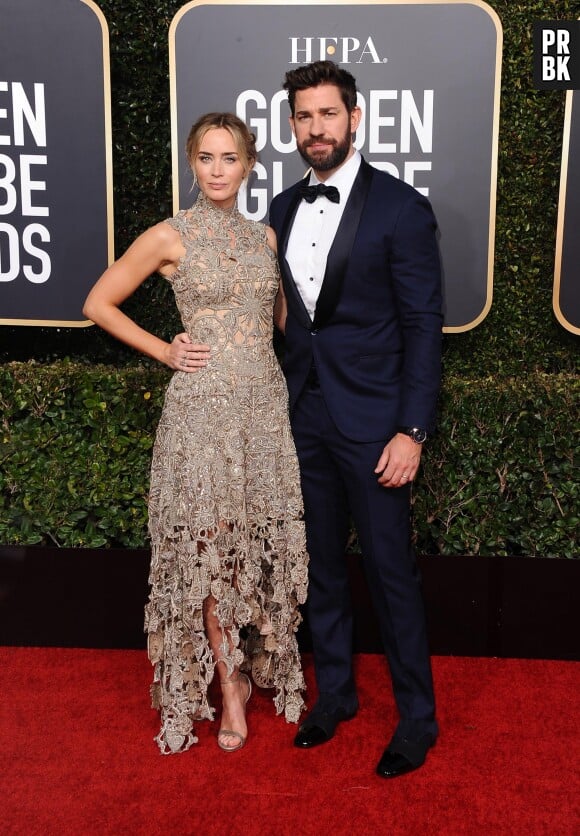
{"x":305,"y":112}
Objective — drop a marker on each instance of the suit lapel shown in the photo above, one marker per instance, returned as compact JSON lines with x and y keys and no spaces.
{"x":293,"y":296}
{"x":339,"y":254}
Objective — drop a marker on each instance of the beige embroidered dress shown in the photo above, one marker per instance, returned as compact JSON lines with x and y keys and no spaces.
{"x":225,"y":509}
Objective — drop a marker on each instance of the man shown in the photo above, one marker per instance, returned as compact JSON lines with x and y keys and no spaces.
{"x":362,"y":319}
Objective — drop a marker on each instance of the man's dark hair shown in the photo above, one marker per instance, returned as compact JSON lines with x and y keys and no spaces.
{"x":321,"y":72}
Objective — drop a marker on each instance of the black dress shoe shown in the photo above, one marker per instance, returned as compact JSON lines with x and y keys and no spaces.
{"x":403,"y":756}
{"x":393,"y":764}
{"x":320,"y":726}
{"x":311,"y":736}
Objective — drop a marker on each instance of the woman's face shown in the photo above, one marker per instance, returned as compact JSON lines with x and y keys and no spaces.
{"x":218,"y":168}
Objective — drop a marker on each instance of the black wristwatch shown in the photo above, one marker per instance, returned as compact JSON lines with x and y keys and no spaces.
{"x":418,"y":435}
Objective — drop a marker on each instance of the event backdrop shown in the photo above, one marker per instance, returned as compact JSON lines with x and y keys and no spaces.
{"x":428,"y":75}
{"x":567,"y":266}
{"x":56,"y":233}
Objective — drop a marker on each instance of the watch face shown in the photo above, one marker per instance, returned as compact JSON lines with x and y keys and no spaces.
{"x":418,"y":435}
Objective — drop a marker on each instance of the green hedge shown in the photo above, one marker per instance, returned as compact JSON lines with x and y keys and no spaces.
{"x":500,"y":477}
{"x":76,"y":445}
{"x":75,"y":451}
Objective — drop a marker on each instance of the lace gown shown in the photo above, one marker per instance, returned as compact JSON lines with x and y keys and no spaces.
{"x":225,"y":508}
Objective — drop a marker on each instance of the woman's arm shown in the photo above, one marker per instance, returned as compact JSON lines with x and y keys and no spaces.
{"x":280,"y":308}
{"x":157,"y":249}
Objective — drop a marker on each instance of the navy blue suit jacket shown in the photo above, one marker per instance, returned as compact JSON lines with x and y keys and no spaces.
{"x":376,"y":335}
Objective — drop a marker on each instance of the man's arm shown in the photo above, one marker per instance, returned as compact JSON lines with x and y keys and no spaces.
{"x":416,"y":276}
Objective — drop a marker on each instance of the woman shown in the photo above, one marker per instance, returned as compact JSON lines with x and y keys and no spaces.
{"x":229,"y":562}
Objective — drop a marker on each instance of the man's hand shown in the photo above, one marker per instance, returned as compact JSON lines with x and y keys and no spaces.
{"x":399,"y":462}
{"x":185,"y":356}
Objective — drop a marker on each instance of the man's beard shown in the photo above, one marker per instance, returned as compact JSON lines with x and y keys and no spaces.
{"x":336,"y":157}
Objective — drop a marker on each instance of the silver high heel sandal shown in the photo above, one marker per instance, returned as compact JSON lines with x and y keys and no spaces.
{"x":228,"y":732}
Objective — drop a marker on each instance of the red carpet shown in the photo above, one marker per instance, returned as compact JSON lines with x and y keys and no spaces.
{"x":77,"y":756}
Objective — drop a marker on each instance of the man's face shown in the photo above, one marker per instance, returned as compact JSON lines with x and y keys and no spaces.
{"x":323,"y":128}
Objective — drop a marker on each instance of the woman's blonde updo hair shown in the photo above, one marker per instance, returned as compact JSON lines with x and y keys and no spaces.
{"x":244,"y":139}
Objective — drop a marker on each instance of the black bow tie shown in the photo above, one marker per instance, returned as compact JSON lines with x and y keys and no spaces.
{"x":310,"y":193}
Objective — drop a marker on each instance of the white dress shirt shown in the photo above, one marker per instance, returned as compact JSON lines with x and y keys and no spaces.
{"x":313,"y":231}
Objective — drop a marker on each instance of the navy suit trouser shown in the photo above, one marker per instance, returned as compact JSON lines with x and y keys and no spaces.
{"x":338,"y":481}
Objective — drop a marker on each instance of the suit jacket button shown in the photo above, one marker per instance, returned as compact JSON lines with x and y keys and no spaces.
{"x":314,"y":332}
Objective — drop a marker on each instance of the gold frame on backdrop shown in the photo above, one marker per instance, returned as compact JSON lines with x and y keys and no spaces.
{"x":175,"y":150}
{"x":561,"y":215}
{"x":84,"y":323}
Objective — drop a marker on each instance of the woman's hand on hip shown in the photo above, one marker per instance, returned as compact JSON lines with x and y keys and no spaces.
{"x":185,"y":356}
